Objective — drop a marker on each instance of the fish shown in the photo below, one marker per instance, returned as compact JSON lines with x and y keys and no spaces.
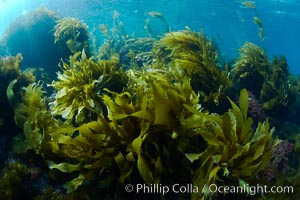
{"x":157,"y":15}
{"x":261,"y":34}
{"x":261,"y":31}
{"x":248,"y":4}
{"x":257,"y":21}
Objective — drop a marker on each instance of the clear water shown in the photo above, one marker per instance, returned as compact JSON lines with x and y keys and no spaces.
{"x":228,"y":23}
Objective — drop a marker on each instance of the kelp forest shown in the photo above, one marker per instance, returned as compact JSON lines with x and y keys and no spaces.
{"x":160,"y":109}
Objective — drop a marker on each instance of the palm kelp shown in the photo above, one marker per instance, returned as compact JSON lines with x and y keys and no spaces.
{"x":251,"y":67}
{"x":235,"y":152}
{"x":138,"y":134}
{"x":279,"y":91}
{"x":274,"y":86}
{"x":12,"y":78}
{"x":80,"y":86}
{"x":72,"y":36}
{"x":189,"y":54}
{"x":173,"y":118}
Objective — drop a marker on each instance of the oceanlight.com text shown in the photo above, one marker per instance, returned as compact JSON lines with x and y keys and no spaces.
{"x":212,"y":188}
{"x":246,"y":188}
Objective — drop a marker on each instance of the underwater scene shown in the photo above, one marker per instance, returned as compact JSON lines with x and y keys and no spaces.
{"x":141,"y":99}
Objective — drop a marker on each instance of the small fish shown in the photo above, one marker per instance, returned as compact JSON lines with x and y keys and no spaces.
{"x":261,"y":31}
{"x":257,"y":21}
{"x":261,"y":34}
{"x":248,"y":4}
{"x":157,"y":15}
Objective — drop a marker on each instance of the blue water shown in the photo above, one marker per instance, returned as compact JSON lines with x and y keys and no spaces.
{"x":228,"y":23}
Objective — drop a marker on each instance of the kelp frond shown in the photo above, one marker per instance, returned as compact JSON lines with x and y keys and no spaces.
{"x":187,"y":50}
{"x":191,"y":54}
{"x":33,"y":117}
{"x":251,"y":66}
{"x":80,"y":85}
{"x":71,"y":34}
{"x":234,"y":148}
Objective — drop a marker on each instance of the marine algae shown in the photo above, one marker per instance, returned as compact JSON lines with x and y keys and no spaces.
{"x":80,"y":85}
{"x":72,"y":36}
{"x":141,"y":129}
{"x":10,"y":71}
{"x":234,"y":148}
{"x":107,"y":127}
{"x":273,"y":83}
{"x":252,"y":66}
{"x":189,"y":54}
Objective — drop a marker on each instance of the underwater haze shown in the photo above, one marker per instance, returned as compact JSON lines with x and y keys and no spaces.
{"x":228,"y":23}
